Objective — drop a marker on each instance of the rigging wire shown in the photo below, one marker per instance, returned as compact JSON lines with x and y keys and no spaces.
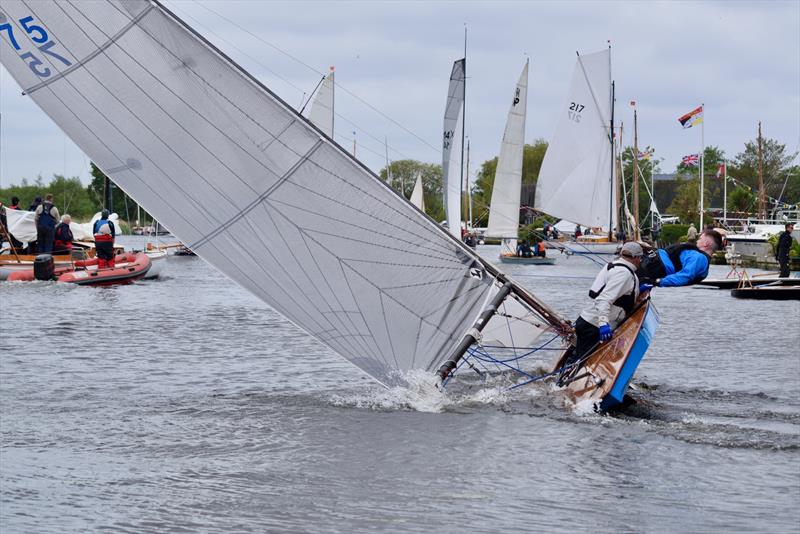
{"x":339,"y":86}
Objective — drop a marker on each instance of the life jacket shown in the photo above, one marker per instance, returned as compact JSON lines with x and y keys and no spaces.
{"x":63,"y":233}
{"x":45,"y":219}
{"x":103,"y":230}
{"x":627,"y":301}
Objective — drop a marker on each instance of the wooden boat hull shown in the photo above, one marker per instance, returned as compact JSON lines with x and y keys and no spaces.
{"x":605,"y":375}
{"x":535,"y":260}
{"x":767,"y":293}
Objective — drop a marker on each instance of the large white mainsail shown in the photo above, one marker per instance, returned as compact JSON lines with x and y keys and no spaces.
{"x":451,"y":148}
{"x":321,"y":113}
{"x":251,"y":186}
{"x":417,"y":195}
{"x":504,"y":211}
{"x":575,"y":179}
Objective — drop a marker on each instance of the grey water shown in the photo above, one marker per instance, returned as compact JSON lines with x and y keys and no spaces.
{"x":187,"y":405}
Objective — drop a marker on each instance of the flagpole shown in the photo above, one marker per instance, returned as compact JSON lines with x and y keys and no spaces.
{"x":725,"y":192}
{"x":702,"y":160}
{"x":637,"y":223}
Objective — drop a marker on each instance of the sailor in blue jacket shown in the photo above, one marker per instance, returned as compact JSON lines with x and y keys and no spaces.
{"x":682,"y":264}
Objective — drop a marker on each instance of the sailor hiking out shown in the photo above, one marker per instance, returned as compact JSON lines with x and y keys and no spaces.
{"x":613,"y":297}
{"x":682,"y":264}
{"x":104,"y":233}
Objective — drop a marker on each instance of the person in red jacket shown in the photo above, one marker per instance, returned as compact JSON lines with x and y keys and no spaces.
{"x":62,"y":243}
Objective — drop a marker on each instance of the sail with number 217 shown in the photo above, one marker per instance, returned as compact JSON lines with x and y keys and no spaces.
{"x":575,"y":181}
{"x":212,"y":153}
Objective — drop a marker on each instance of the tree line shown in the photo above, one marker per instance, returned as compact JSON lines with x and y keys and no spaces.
{"x":679,"y":196}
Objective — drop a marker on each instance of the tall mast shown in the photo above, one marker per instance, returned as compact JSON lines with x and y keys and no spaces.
{"x":613,"y":140}
{"x":636,"y":231}
{"x":333,"y":99}
{"x":463,"y":118}
{"x":469,"y":190}
{"x":762,"y":201}
{"x":618,"y":189}
{"x":702,"y":162}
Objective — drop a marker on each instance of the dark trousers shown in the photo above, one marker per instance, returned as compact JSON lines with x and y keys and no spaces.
{"x":588,"y":335}
{"x":44,"y":238}
{"x":784,"y":267}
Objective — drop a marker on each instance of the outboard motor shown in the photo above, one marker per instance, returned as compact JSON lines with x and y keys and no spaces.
{"x":43,"y":267}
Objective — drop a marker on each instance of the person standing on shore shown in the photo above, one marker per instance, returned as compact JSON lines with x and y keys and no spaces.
{"x":782,"y":250}
{"x":46,"y":218}
{"x":691,"y":234}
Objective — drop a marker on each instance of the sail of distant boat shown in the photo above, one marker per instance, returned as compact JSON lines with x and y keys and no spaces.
{"x":321,"y":114}
{"x":254,"y":189}
{"x":506,"y":192}
{"x":417,"y":197}
{"x":451,"y":147}
{"x":575,"y":181}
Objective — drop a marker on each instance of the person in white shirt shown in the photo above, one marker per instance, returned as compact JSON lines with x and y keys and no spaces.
{"x":613,"y":297}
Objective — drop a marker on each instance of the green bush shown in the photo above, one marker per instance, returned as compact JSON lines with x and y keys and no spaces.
{"x":673,"y":233}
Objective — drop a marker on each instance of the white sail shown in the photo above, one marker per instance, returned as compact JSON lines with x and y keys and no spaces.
{"x":504,"y":211}
{"x":236,"y":174}
{"x":575,"y":179}
{"x":321,"y":114}
{"x":451,"y":148}
{"x":417,"y":194}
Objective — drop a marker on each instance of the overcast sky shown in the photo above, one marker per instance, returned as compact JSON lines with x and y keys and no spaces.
{"x":741,"y":59}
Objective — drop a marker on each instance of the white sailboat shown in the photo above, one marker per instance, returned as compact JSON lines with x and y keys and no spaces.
{"x":576,"y":181}
{"x":417,"y":197}
{"x":212,"y":153}
{"x":507,"y":189}
{"x":322,"y":110}
{"x":451,"y":147}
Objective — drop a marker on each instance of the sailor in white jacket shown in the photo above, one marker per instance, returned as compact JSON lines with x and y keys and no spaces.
{"x":613,"y":296}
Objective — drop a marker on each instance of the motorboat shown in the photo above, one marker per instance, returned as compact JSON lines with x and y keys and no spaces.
{"x":128,"y":267}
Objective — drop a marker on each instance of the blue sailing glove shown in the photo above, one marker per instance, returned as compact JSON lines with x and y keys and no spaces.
{"x":605,"y":332}
{"x":645,"y":287}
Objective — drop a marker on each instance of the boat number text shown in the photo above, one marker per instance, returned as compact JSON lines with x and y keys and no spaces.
{"x":575,"y":111}
{"x":448,"y":138}
{"x":38,"y":35}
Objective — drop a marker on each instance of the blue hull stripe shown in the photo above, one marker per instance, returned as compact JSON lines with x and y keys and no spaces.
{"x":636,"y":354}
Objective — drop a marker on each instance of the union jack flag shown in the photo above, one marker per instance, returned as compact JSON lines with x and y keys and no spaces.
{"x":692,"y":160}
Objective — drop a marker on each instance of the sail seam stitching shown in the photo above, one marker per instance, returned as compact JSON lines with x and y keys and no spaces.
{"x":94,"y":54}
{"x":250,"y":207}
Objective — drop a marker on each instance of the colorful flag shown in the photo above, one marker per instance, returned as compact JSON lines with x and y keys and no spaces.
{"x":647,"y":154}
{"x":692,"y":160}
{"x":721,"y":170}
{"x":693,"y":117}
